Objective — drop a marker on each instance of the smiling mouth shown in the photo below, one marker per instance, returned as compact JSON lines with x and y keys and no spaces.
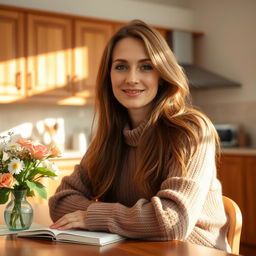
{"x":133,"y":92}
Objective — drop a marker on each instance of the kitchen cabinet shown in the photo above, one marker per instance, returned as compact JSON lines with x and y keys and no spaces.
{"x":90,"y":40}
{"x":49,"y":55}
{"x":237,"y":174}
{"x":12,"y":61}
{"x":62,"y":57}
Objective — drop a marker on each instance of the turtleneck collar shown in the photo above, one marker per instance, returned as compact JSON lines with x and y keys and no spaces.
{"x":132,"y":136}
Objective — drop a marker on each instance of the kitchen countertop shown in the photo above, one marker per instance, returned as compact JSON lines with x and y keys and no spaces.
{"x":71,"y":154}
{"x":239,"y":151}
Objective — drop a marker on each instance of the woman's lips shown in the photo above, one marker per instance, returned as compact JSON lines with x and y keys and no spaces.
{"x":133,"y":92}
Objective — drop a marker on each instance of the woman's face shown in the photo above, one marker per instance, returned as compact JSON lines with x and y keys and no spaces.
{"x":133,"y":77}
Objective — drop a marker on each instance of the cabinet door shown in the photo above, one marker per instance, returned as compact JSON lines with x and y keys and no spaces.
{"x":49,"y":55}
{"x":12,"y":63}
{"x":231,"y":175}
{"x":90,"y":41}
{"x":249,"y":215}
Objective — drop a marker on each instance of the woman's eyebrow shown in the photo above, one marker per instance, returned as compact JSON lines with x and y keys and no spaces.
{"x":124,"y":60}
{"x":120,"y":60}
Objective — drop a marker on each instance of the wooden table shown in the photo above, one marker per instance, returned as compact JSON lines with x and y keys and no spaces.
{"x":12,"y":246}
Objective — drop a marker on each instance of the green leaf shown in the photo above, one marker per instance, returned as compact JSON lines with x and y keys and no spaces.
{"x":30,"y":193}
{"x":44,"y":171}
{"x":4,"y":195}
{"x":38,"y":187}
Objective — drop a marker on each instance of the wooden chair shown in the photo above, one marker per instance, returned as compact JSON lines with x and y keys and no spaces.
{"x":235,"y":223}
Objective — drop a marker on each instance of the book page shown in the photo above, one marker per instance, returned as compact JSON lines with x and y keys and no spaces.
{"x":39,"y":232}
{"x":81,"y":236}
{"x":72,"y":235}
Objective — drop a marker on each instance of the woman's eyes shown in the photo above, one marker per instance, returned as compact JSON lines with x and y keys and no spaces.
{"x":142,"y":67}
{"x":146,"y":67}
{"x":120,"y":67}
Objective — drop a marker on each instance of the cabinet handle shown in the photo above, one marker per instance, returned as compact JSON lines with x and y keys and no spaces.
{"x":69,"y":83}
{"x":75,"y":84}
{"x":29,"y":81}
{"x":18,"y":80}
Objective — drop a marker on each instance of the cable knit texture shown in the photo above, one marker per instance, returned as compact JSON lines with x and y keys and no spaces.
{"x":187,"y":208}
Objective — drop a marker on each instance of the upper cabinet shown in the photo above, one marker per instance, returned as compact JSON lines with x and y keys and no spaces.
{"x":90,"y":40}
{"x":49,"y":51}
{"x":51,"y":58}
{"x":12,"y":61}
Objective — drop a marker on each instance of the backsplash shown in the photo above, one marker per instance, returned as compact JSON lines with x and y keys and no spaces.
{"x":47,"y":123}
{"x":238,"y":113}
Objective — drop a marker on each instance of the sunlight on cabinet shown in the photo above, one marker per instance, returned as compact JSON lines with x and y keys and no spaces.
{"x":49,"y":54}
{"x":12,"y":62}
{"x":90,"y":40}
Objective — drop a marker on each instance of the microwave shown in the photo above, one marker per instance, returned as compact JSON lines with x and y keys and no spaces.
{"x":228,"y":134}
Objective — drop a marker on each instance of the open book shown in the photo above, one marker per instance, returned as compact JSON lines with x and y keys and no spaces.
{"x":72,"y":236}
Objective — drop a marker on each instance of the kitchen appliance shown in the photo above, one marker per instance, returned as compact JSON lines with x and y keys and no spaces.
{"x":181,"y":43}
{"x":80,"y":142}
{"x":230,"y":134}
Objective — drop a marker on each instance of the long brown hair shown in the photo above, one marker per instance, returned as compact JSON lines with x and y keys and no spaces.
{"x":171,"y":115}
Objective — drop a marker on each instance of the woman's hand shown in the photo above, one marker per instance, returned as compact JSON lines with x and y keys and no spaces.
{"x":71,"y":220}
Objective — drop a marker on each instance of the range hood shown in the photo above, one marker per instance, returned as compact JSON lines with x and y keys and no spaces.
{"x":181,"y":43}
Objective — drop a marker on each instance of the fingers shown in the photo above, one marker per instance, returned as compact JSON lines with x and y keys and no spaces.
{"x":71,"y":220}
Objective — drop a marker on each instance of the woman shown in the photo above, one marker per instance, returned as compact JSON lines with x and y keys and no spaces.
{"x":150,"y":170}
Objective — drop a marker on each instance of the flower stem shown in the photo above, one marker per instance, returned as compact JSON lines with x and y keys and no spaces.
{"x":16,"y":214}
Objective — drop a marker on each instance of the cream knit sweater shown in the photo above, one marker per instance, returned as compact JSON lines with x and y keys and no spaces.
{"x":186,"y":208}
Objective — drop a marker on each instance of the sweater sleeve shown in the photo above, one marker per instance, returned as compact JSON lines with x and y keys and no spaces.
{"x":72,"y":194}
{"x":172,"y":213}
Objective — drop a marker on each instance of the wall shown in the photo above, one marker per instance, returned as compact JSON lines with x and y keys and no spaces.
{"x":80,"y":118}
{"x":124,"y":10}
{"x":228,"y":48}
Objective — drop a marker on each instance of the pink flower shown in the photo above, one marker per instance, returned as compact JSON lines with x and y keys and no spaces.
{"x":37,"y":150}
{"x":25,"y":143}
{"x":40,"y":151}
{"x":54,"y":151}
{"x":6,"y":180}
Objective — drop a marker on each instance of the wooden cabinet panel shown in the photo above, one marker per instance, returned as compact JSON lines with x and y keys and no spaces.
{"x":12,"y":63}
{"x":231,"y":177}
{"x":90,"y":41}
{"x":249,"y":213}
{"x":237,"y":174}
{"x":49,"y":55}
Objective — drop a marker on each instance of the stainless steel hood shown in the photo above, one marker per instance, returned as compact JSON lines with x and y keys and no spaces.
{"x":181,"y":43}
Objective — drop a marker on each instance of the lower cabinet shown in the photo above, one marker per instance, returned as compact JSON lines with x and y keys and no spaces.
{"x":237,"y":174}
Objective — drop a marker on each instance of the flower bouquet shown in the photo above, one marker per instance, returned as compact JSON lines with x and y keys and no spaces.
{"x":22,"y":165}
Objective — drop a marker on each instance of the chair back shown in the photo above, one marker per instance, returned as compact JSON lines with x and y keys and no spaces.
{"x":235,"y":223}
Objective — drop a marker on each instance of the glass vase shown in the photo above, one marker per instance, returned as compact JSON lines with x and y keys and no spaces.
{"x":18,"y":213}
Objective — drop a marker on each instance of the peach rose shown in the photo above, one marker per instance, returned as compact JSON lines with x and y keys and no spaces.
{"x":37,"y":150}
{"x":6,"y":180}
{"x":25,"y":143}
{"x":54,"y":151}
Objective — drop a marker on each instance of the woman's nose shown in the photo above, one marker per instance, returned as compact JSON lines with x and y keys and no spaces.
{"x":132,"y":77}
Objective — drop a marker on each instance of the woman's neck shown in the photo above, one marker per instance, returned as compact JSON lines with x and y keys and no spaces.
{"x":138,"y":115}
